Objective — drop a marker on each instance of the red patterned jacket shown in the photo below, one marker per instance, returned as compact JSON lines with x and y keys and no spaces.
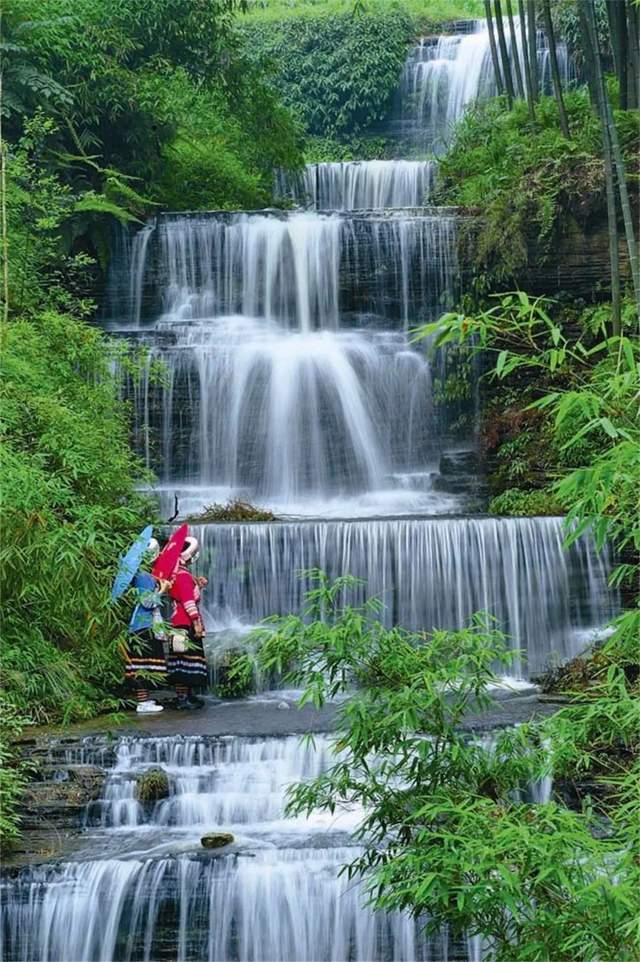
{"x":186,"y":595}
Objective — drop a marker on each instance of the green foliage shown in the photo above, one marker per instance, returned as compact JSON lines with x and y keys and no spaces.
{"x":157,"y":93}
{"x":13,"y":773}
{"x":69,"y":508}
{"x":526,"y":503}
{"x":523,"y":177}
{"x":152,"y":785}
{"x":227,"y":144}
{"x":586,"y":389}
{"x":320,"y":150}
{"x":235,"y":510}
{"x":448,"y":833}
{"x":426,"y":16}
{"x":234,"y":673}
{"x":337,"y":73}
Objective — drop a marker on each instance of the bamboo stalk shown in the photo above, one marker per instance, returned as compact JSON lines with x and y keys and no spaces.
{"x":633,"y":48}
{"x":616,"y":151}
{"x":515,"y":52}
{"x":617,"y":31}
{"x":533,"y":48}
{"x":612,"y":218}
{"x":555,"y":71}
{"x":527,"y":66}
{"x":493,"y":48}
{"x":504,"y":54}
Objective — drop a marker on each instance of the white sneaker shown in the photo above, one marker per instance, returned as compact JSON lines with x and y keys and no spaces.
{"x":148,"y":708}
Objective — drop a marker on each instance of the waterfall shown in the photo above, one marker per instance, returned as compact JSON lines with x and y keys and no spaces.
{"x":156,"y":893}
{"x":143,"y":888}
{"x":361,"y":184}
{"x":433,"y":573}
{"x":302,"y":270}
{"x":281,"y":416}
{"x":444,"y":75}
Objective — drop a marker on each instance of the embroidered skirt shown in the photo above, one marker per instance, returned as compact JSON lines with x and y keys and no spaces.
{"x":188,"y":667}
{"x":145,"y":666}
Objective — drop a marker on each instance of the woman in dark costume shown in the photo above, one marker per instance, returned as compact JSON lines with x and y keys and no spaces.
{"x":145,"y":662}
{"x":186,"y":663}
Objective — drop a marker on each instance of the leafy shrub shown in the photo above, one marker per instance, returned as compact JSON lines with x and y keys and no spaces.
{"x":521,"y":177}
{"x":526,"y":503}
{"x":70,"y":507}
{"x":152,"y":785}
{"x":235,"y":510}
{"x":234,"y":673}
{"x":337,"y":73}
{"x":450,"y":834}
{"x":13,"y":773}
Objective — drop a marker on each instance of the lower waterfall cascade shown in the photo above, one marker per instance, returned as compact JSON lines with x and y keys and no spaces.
{"x":142,"y":888}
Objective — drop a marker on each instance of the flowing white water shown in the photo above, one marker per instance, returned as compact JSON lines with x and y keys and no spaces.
{"x":361,"y":184}
{"x":428,"y":573}
{"x":444,"y":75}
{"x":158,"y":894}
{"x":282,"y":416}
{"x":144,"y":889}
{"x":303,"y":270}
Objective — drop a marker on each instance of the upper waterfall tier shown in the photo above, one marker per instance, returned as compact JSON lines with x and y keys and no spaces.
{"x":302,"y":270}
{"x":360,"y":184}
{"x":443,"y":75}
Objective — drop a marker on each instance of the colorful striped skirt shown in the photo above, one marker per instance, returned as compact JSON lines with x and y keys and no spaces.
{"x":188,"y":667}
{"x":146,"y":666}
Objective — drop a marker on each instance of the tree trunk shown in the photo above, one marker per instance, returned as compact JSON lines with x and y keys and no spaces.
{"x":612,"y":218}
{"x":515,"y":51}
{"x":633,"y":49}
{"x":533,"y":47}
{"x":492,"y":47}
{"x":527,"y":66}
{"x":555,"y":71}
{"x":504,"y":54}
{"x":618,"y":33}
{"x":611,"y":135}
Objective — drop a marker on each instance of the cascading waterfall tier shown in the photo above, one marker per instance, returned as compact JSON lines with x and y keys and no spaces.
{"x":304,"y":271}
{"x":444,"y":75}
{"x":281,"y":416}
{"x":427,"y":573}
{"x":360,"y":184}
{"x":154,"y":893}
{"x":306,"y":395}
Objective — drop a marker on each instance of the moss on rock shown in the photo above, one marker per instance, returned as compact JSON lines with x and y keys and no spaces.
{"x":152,"y":785}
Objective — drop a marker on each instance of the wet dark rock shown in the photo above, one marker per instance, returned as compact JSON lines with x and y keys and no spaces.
{"x":152,"y":785}
{"x":216,"y":839}
{"x":459,"y":463}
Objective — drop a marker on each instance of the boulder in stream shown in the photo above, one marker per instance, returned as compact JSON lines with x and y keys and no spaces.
{"x":216,"y":839}
{"x":152,"y":785}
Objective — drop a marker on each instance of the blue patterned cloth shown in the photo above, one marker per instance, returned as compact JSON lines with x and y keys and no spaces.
{"x":149,"y":601}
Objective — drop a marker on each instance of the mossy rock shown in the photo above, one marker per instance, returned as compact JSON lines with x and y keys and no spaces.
{"x":234,"y":674}
{"x":216,"y":839}
{"x":152,"y":785}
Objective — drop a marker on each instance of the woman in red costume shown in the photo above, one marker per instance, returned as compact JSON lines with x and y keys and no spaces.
{"x":186,"y":662}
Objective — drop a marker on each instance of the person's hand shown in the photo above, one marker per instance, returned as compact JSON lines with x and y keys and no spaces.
{"x":198,"y":629}
{"x":164,"y":586}
{"x":202,"y":581}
